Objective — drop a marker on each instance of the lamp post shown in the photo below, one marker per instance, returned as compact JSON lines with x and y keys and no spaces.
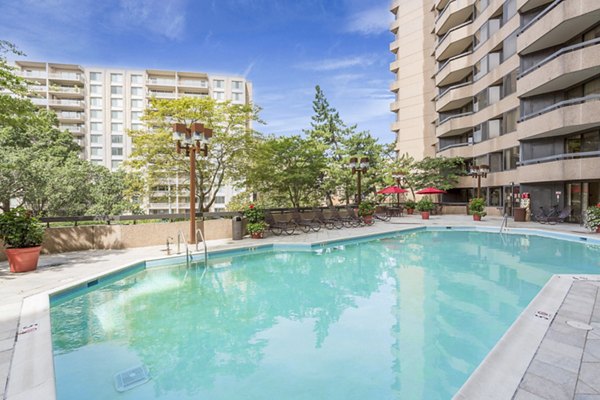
{"x":359,"y":168}
{"x":193,"y":140}
{"x":398,"y":176}
{"x":479,"y":172}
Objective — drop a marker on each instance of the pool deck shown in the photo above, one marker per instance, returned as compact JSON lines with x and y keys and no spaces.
{"x":564,"y":362}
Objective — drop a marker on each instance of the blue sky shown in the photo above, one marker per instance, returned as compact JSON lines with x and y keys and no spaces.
{"x":285,"y":47}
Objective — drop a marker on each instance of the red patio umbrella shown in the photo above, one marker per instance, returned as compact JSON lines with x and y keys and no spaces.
{"x":392,"y":190}
{"x":431,"y":190}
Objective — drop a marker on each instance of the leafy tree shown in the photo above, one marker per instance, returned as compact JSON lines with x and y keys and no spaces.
{"x":341,"y":142}
{"x":154,"y":153}
{"x":287,"y":170}
{"x":439,"y":172}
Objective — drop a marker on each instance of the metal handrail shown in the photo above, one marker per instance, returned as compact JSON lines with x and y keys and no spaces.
{"x":559,"y":53}
{"x":442,"y":121}
{"x":204,"y":243}
{"x":440,"y":40}
{"x":456,"y":57}
{"x":557,"y":157}
{"x":564,"y":103}
{"x":504,"y":223}
{"x":181,"y":235}
{"x":539,"y":16}
{"x":451,"y":146}
{"x":443,"y":11}
{"x":457,"y":86}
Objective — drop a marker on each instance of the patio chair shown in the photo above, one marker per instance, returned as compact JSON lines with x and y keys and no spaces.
{"x":328,"y":221}
{"x":554,"y":219}
{"x":305,"y":223}
{"x":382,"y":214}
{"x":347,"y":218}
{"x":278,"y":227}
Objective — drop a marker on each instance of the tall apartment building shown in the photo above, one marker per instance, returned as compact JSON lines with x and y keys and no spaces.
{"x":99,"y":105}
{"x":513,"y":84}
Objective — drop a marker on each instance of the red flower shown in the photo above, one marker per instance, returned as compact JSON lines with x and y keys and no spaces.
{"x":598,"y":205}
{"x":251,"y":206}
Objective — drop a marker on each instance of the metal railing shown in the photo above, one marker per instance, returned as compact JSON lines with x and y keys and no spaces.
{"x":180,"y":236}
{"x":441,"y":39}
{"x":448,"y":61}
{"x":448,"y":118}
{"x":560,"y":104}
{"x":557,"y":54}
{"x":558,"y":157}
{"x":539,"y":16}
{"x":205,"y":248}
{"x":457,"y":86}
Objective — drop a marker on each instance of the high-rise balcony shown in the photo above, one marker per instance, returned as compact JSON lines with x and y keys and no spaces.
{"x":66,"y":104}
{"x":37,"y":75}
{"x":38,"y":101}
{"x":565,"y":167}
{"x":454,"y":69}
{"x":161,"y":82}
{"x":74,"y":129}
{"x":558,"y":22}
{"x":453,"y":97}
{"x":455,"y":124}
{"x":162,"y":95}
{"x":562,"y":118}
{"x":69,"y":91}
{"x":66,"y":77}
{"x":455,"y":13}
{"x":68,"y":116}
{"x":191,"y":83}
{"x":455,"y":41}
{"x":562,"y":69}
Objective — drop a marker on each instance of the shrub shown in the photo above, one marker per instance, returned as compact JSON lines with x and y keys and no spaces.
{"x":477,"y":207}
{"x":366,"y":208}
{"x":254,"y":214}
{"x":19,"y":229}
{"x":255,"y":227}
{"x":410,"y":204}
{"x":591,"y":218}
{"x":425,"y":204}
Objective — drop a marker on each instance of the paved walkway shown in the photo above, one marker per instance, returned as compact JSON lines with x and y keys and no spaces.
{"x":60,"y":269}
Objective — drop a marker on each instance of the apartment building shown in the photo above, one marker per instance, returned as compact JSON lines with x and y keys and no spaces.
{"x":99,"y":105}
{"x":512,"y":84}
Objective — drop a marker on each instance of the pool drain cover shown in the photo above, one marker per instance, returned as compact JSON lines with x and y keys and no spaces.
{"x":580,"y":325}
{"x":131,"y":378}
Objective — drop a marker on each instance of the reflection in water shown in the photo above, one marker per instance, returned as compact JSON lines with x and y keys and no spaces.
{"x":403,"y":317}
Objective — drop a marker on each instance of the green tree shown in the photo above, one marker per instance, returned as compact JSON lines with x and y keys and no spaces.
{"x":439,"y":172}
{"x":341,"y":142}
{"x":154,"y":153}
{"x":287,"y":170}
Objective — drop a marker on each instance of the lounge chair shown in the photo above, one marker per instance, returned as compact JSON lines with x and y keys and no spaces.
{"x":278,"y":227}
{"x":305,"y":223}
{"x":554,"y":219}
{"x":358,"y":220}
{"x":328,"y":221}
{"x":347,"y":219}
{"x":382,"y":214}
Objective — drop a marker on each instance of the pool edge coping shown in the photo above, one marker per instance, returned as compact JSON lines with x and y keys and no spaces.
{"x":38,"y":305}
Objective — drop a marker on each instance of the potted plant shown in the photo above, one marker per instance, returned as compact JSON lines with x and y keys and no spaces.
{"x":425,"y":205}
{"x":256,"y":221}
{"x":410,"y":206}
{"x":591,"y":218}
{"x":22,"y":235}
{"x":366,"y":209}
{"x":477,"y":208}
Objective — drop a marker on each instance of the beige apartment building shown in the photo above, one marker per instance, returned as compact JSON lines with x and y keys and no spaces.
{"x":512,"y":84}
{"x":99,"y":105}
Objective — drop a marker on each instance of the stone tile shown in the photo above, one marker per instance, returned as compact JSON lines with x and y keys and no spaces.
{"x":591,"y":352}
{"x":563,"y":333}
{"x":587,"y":397}
{"x":583,"y":388}
{"x":547,"y":389}
{"x":7,"y":344}
{"x":590,"y":375}
{"x":553,"y":373}
{"x":525,"y":395}
{"x":566,"y":356}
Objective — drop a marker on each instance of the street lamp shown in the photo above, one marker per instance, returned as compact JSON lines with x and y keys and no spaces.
{"x":479,"y":172}
{"x":359,"y":168}
{"x":193,"y":139}
{"x":398,"y":177}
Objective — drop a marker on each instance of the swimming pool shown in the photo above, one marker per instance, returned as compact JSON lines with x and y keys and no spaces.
{"x":408,"y":315}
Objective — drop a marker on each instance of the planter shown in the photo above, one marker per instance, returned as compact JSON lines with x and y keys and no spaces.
{"x":598,"y":229}
{"x":368,"y":219}
{"x":476,"y":217}
{"x":257,"y":235}
{"x":410,"y":211}
{"x":424,"y":214}
{"x":23,"y":260}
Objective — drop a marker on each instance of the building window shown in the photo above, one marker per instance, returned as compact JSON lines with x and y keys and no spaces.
{"x":116,"y":78}
{"x":136,"y":79}
{"x":219,"y":84}
{"x":237,"y":96}
{"x":95,"y":138}
{"x":137,"y":103}
{"x":509,"y":120}
{"x":511,"y":158}
{"x":97,"y":162}
{"x":115,"y":164}
{"x":116,"y":151}
{"x":96,"y":76}
{"x":136,"y":115}
{"x":237,"y":85}
{"x":116,"y":115}
{"x":219,"y":95}
{"x":116,"y":127}
{"x":96,"y":126}
{"x":116,"y":103}
{"x":96,"y":151}
{"x":137,"y":127}
{"x":137,"y":91}
{"x":116,"y":139}
{"x":220,"y":199}
{"x":95,"y":89}
{"x":116,"y":90}
{"x":95,"y":102}
{"x":96,"y":114}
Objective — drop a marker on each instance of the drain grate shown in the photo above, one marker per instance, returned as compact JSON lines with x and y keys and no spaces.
{"x":131,"y":378}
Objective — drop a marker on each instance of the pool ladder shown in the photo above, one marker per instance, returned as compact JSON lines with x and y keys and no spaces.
{"x":204,"y":244}
{"x":504,"y":224}
{"x":188,"y":255}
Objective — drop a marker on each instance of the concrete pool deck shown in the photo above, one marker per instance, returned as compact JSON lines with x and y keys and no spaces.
{"x":68,"y":268}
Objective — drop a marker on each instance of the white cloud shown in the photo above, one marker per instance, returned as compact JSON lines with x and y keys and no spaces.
{"x":372,"y":21}
{"x":337,"y":63}
{"x":164,"y":18}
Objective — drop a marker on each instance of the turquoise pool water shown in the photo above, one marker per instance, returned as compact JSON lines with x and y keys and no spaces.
{"x":403,"y":317}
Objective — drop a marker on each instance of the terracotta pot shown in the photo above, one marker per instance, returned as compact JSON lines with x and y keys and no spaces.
{"x":476,"y":217}
{"x":410,"y":211}
{"x":23,"y":260}
{"x":598,"y":229}
{"x":424,"y":214}
{"x":368,"y":219}
{"x":257,"y":235}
